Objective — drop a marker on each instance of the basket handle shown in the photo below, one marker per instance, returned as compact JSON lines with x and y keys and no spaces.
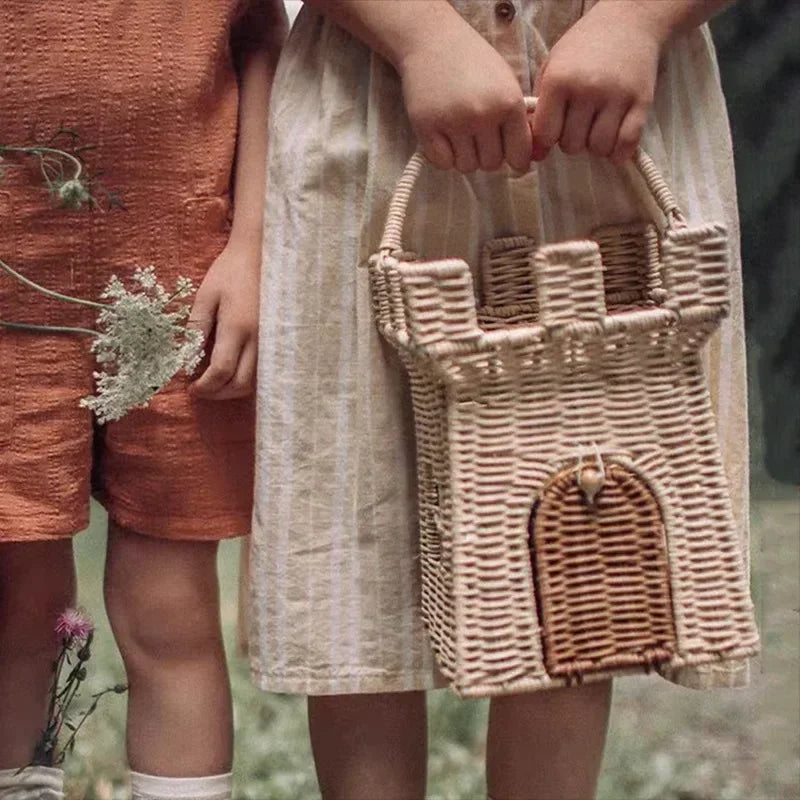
{"x":392,"y":239}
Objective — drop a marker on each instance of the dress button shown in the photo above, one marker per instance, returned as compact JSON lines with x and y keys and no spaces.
{"x":505,"y":10}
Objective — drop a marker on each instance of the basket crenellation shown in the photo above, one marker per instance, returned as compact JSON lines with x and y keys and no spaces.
{"x":622,"y":280}
{"x":438,"y":302}
{"x":569,"y":281}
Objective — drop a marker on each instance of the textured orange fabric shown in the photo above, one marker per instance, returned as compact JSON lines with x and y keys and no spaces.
{"x":151,"y":87}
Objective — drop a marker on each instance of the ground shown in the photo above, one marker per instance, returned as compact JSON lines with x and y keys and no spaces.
{"x":665,"y":743}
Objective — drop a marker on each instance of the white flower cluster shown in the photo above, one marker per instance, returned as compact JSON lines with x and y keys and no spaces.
{"x":72,"y":193}
{"x":140,"y":344}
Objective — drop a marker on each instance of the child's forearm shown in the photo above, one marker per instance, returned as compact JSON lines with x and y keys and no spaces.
{"x":256,"y":74}
{"x":256,"y":41}
{"x":667,"y":18}
{"x":227,"y":299}
{"x":394,"y":29}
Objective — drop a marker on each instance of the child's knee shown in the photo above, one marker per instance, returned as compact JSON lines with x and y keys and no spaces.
{"x":162,"y":626}
{"x":158,"y":619}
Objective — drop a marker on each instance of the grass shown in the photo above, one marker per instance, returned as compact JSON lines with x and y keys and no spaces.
{"x":665,"y":743}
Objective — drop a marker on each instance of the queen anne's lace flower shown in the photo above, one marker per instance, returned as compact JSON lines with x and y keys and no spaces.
{"x":140,"y":344}
{"x":72,"y":193}
{"x":142,"y":340}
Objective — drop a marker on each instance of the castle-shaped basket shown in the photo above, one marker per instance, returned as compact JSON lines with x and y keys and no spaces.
{"x":574,"y":518}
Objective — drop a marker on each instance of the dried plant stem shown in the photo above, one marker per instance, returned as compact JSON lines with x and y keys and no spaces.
{"x":65,"y":703}
{"x":49,"y":292}
{"x":56,"y":675}
{"x":24,"y":326}
{"x":89,"y":711}
{"x":39,"y":151}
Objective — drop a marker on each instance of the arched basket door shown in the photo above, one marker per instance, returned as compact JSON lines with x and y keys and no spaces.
{"x":601,"y":573}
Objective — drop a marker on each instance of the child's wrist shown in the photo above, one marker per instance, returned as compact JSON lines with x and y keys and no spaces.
{"x":246,"y":239}
{"x":650,"y":18}
{"x":434,"y":32}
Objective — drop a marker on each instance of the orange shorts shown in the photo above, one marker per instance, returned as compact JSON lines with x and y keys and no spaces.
{"x":180,"y":468}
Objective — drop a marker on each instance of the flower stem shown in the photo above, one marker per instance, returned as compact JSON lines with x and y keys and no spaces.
{"x":24,"y":326}
{"x":89,"y":711}
{"x":70,"y":684}
{"x":74,"y":684}
{"x":37,"y":151}
{"x":54,"y":685}
{"x":49,"y":292}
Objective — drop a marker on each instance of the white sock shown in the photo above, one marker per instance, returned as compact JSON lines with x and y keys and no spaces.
{"x":32,"y":783}
{"x":153,"y":787}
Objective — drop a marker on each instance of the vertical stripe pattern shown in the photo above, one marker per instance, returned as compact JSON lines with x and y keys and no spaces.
{"x":334,"y":568}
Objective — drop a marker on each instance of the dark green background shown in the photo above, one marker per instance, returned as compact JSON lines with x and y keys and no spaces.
{"x":758,"y":44}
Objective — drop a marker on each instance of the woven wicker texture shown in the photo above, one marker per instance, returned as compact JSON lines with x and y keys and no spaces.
{"x":602,"y":573}
{"x":574,"y":517}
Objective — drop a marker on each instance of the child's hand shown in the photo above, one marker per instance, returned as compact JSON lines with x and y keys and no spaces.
{"x":465,"y":103}
{"x":596,"y":87}
{"x":227,"y":304}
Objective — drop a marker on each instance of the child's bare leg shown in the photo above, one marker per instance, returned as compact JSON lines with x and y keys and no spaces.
{"x":547,"y":745}
{"x":162,"y":599}
{"x":370,"y":745}
{"x":37,"y":582}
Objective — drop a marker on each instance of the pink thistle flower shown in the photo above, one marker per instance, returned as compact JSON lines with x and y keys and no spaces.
{"x":74,"y":624}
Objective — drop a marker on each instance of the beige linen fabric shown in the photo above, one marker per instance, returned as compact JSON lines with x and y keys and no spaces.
{"x":334,"y":601}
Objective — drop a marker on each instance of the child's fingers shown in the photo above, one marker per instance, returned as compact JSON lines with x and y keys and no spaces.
{"x":517,"y":141}
{"x":223,"y":363}
{"x":630,"y":134}
{"x":204,"y":312}
{"x":548,"y":119}
{"x":242,"y":383}
{"x":465,"y":150}
{"x":490,"y":148}
{"x":577,"y":124}
{"x":437,"y":150}
{"x":605,"y":129}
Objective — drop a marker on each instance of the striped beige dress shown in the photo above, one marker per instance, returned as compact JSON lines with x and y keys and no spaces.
{"x":334,"y":597}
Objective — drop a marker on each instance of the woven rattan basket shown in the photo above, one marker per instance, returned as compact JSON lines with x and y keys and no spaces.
{"x":574,"y":516}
